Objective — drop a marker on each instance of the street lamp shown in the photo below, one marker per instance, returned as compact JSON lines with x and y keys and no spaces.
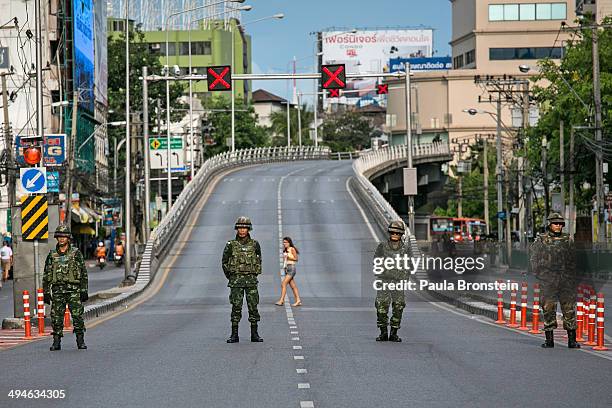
{"x":278,"y":16}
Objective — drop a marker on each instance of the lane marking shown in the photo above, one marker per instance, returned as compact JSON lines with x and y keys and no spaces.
{"x":301,"y":370}
{"x":298,"y":357}
{"x":302,"y":386}
{"x":297,"y":347}
{"x":306,"y":404}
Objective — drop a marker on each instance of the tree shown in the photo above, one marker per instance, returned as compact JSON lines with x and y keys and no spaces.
{"x":279,"y":126}
{"x":568,"y":85}
{"x":347,"y":132}
{"x":247,"y":133}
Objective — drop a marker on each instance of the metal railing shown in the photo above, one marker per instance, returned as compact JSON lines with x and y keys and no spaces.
{"x":374,"y":158}
{"x":170,"y":226}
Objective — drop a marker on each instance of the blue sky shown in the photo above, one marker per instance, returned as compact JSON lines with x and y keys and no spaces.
{"x":276,"y":42}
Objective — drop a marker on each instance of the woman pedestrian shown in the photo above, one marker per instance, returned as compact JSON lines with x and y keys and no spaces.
{"x":290,"y":255}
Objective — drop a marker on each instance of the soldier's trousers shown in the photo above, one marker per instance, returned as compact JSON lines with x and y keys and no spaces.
{"x":58,"y":306}
{"x":397,"y":301}
{"x":252,"y":297}
{"x":567,"y":300}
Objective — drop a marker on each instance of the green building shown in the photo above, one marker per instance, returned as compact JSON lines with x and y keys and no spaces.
{"x":210,"y":46}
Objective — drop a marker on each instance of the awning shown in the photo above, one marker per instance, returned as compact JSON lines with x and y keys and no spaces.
{"x":83,"y":229}
{"x":84,"y":215}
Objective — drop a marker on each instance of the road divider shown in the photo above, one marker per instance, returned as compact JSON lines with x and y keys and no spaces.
{"x":600,"y":324}
{"x":26,"y":315}
{"x":40,"y":311}
{"x":535,"y":314}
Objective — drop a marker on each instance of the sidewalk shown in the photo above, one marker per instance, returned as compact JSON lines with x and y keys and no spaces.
{"x":99,"y":279}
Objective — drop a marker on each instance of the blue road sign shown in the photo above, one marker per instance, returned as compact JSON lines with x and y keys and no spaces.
{"x":53,"y":181}
{"x":501,"y":215}
{"x":33,"y":180}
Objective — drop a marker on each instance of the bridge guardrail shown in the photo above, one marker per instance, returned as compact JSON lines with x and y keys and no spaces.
{"x":169,"y":227}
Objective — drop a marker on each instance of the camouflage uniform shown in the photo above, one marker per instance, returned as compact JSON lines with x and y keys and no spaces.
{"x":65,"y":279}
{"x":241,"y":264}
{"x":65,"y":282}
{"x":393,"y":298}
{"x":553,"y":261}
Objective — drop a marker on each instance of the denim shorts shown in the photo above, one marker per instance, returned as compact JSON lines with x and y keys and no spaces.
{"x":290,"y":270}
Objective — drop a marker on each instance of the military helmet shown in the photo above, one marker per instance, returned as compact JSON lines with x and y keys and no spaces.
{"x":555,"y":218}
{"x":397,"y":226}
{"x":62,"y":230}
{"x":243,"y":222}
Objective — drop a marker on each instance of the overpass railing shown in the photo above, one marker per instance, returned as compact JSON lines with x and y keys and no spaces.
{"x":163,"y":236}
{"x":374,"y":158}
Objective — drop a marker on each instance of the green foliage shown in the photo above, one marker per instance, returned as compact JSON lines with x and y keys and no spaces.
{"x":473,"y":187}
{"x":347,"y":132}
{"x":247,"y":133}
{"x":279,"y":126}
{"x":557,"y":102}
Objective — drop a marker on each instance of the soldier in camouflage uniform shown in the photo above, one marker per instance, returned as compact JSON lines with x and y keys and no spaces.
{"x":553,"y":260}
{"x":65,"y":283}
{"x":393,"y":298}
{"x":241,"y":265}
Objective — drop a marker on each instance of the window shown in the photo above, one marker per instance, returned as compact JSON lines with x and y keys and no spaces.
{"x":501,"y":54}
{"x":511,"y":12}
{"x":496,"y":12}
{"x":558,"y":11}
{"x":184,"y":48}
{"x":470,"y":57}
{"x":458,"y":61}
{"x":527,"y":12}
{"x":543,"y":11}
{"x":201,"y":48}
{"x":171,"y":49}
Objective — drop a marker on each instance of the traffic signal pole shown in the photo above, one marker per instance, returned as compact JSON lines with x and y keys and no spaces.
{"x":145,"y":129}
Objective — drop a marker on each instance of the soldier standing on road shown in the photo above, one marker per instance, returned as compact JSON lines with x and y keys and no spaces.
{"x":241,"y":265}
{"x":553,"y":260}
{"x":65,"y":283}
{"x":393,"y":298}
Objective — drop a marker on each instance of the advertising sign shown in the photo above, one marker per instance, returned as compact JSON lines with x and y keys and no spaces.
{"x":84,"y":51}
{"x":369,"y":51}
{"x":54,"y":149}
{"x":421,"y":64}
{"x":101,"y":67}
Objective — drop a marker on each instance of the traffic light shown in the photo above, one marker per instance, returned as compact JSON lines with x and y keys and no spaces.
{"x":219,"y":78}
{"x":333,"y":76}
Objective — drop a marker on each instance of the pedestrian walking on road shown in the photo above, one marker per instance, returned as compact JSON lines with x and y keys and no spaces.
{"x":394,"y":298}
{"x":65,"y":282}
{"x":6,"y":255}
{"x":553,"y":260}
{"x":241,"y":264}
{"x":290,"y":255}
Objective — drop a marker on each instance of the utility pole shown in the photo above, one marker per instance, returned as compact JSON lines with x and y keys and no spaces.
{"x":72,"y":156}
{"x":601,"y":236}
{"x":523,"y":220}
{"x":288,"y":124}
{"x":498,"y":172}
{"x":571,"y":185}
{"x":299,"y":111}
{"x":8,"y":141}
{"x":460,"y":198}
{"x":485,"y":187}
{"x":545,"y":177}
{"x":145,"y":130}
{"x":409,"y":140}
{"x":562,"y":166}
{"x":127,"y":261}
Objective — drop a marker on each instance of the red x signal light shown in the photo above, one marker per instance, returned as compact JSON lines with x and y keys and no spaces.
{"x":219,"y":78}
{"x":382,"y":89}
{"x":333,"y":76}
{"x":334,"y":93}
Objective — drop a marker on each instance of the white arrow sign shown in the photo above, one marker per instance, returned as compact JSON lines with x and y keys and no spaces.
{"x":30,"y":183}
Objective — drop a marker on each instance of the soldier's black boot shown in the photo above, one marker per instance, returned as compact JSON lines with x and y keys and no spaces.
{"x":393,"y":336}
{"x":80,"y":340}
{"x":550,"y":339}
{"x":57,"y":343}
{"x":384,"y":336}
{"x":234,"y":337}
{"x":254,"y":335}
{"x":571,"y":339}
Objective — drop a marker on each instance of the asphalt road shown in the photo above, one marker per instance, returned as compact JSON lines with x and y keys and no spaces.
{"x":99,"y":279}
{"x":171,"y":350}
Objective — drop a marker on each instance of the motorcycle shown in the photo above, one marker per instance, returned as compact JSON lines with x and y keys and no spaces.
{"x":101,"y":262}
{"x":118,"y":260}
